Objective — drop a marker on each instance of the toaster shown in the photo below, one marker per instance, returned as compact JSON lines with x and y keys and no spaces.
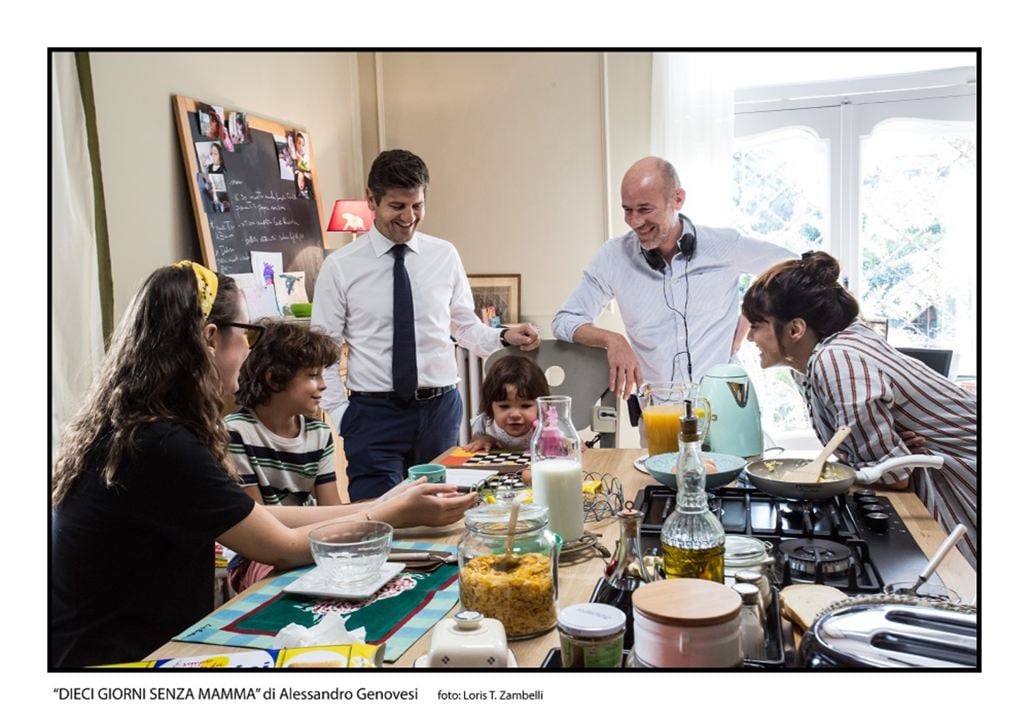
{"x":888,"y":631}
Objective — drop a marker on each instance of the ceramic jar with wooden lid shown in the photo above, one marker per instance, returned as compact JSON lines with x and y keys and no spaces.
{"x":687,"y":622}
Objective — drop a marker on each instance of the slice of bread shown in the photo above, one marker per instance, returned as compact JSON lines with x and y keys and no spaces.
{"x":801,"y":604}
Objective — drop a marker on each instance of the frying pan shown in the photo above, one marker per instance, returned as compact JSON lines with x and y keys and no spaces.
{"x":767,"y":475}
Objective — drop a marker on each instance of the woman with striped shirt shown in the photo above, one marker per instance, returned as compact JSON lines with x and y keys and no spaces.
{"x":801,"y":317}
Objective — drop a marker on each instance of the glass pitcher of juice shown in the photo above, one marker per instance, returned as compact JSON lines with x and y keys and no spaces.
{"x":663,"y":403}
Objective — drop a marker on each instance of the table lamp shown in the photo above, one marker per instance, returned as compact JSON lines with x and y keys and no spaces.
{"x":352,"y":216}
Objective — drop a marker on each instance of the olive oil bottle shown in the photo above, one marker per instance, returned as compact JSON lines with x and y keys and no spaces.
{"x":692,"y":538}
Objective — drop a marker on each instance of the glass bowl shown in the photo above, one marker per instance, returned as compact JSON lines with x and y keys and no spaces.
{"x":351,"y":552}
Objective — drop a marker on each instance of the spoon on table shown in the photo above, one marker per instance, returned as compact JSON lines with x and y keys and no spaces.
{"x":956,"y":534}
{"x":812,"y":472}
{"x":509,"y":561}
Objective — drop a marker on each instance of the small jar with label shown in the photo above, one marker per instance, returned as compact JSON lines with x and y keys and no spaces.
{"x":592,"y":635}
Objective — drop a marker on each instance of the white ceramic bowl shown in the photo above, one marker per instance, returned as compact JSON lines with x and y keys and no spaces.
{"x":351,"y":552}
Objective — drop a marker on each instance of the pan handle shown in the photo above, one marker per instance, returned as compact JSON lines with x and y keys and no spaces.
{"x":869,"y":475}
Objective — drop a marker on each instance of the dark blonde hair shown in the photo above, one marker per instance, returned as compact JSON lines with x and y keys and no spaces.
{"x":807,"y":288}
{"x":285,"y":349}
{"x":157,"y":369}
{"x":528,"y":380}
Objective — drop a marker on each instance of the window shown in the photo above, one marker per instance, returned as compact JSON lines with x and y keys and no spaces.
{"x":880,"y":172}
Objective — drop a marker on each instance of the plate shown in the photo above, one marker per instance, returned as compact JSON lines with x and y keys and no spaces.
{"x":423,"y":662}
{"x":317,"y":584}
{"x":640,"y":464}
{"x":661,"y":467}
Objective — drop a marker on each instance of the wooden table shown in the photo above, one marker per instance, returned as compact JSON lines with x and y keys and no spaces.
{"x":576,"y":581}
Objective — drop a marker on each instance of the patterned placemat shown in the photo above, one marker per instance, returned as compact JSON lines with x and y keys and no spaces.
{"x":400,"y":613}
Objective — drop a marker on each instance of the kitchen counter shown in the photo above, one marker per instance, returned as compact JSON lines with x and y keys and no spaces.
{"x":576,"y":582}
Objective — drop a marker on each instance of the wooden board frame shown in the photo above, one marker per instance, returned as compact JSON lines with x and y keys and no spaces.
{"x":183,"y":106}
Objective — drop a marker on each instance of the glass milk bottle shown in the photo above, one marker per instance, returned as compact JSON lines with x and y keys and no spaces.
{"x":557,"y":467}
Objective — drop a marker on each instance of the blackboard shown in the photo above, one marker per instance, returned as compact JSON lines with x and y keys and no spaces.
{"x":264,"y":211}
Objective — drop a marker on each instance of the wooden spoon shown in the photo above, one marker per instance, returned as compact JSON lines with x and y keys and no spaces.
{"x":812,"y":472}
{"x":509,"y":561}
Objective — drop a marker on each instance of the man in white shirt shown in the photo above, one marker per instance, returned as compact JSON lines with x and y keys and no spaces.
{"x":396,"y":297}
{"x":676,"y":283}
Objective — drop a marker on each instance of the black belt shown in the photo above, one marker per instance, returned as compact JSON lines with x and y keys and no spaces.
{"x":421,"y":394}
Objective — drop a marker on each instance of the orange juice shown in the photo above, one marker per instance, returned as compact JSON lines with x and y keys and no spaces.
{"x":661,"y":423}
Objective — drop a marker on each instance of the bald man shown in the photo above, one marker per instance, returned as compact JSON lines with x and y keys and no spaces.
{"x":676,"y":283}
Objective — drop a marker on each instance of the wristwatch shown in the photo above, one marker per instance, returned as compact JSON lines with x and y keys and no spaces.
{"x":504,"y":342}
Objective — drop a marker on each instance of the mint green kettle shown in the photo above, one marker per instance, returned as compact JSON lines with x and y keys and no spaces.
{"x":735,"y":427}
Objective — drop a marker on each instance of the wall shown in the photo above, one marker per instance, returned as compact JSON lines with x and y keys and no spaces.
{"x":514,"y":148}
{"x":148,"y":209}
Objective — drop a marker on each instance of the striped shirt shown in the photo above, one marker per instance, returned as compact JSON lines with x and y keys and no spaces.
{"x":854,"y":378}
{"x":694,"y":304}
{"x":285,"y":470}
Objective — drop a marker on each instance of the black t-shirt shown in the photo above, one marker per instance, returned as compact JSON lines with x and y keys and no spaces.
{"x":133,"y":565}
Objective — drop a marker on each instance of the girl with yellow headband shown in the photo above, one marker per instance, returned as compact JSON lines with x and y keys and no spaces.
{"x":143,"y":486}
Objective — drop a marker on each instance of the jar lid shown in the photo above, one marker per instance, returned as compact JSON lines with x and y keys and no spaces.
{"x":744,"y":550}
{"x":492,"y":519}
{"x":687,"y":602}
{"x":591,"y":620}
{"x":747,"y":592}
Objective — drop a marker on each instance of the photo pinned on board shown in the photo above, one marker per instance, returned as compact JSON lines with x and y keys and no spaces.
{"x":285,"y":159}
{"x":303,"y":185}
{"x":209,"y":122}
{"x":211,"y":119}
{"x":220,"y":194}
{"x":239,"y":127}
{"x":300,"y":146}
{"x":211,"y":157}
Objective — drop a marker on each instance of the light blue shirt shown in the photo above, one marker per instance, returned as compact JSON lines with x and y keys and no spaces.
{"x":652,"y":303}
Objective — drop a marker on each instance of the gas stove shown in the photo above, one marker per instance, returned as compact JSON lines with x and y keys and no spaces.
{"x":856,"y":543}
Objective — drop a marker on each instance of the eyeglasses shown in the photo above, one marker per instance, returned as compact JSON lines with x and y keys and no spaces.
{"x":252,"y":333}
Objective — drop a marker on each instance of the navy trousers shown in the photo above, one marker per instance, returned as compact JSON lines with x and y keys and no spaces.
{"x":383,"y":438}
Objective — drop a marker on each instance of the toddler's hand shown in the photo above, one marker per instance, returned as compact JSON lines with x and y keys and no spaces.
{"x":480,"y":443}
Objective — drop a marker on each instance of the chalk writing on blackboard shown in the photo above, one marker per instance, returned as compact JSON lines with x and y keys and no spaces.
{"x":263,"y":212}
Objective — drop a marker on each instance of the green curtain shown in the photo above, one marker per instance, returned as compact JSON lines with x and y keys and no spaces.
{"x":103,"y":246}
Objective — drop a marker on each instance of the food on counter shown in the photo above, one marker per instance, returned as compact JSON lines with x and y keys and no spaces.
{"x":521,"y":597}
{"x":801,"y":604}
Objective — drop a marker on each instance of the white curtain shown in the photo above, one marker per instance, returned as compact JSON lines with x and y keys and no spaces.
{"x":76,"y":339}
{"x":692,"y":108}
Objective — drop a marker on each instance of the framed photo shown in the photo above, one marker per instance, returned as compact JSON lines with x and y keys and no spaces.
{"x":497,"y":298}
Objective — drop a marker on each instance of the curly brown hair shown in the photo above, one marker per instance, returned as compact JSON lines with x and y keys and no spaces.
{"x":157,"y":369}
{"x":528,"y":380}
{"x":285,"y":349}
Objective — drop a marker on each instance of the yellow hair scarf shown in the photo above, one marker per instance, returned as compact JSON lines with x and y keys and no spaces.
{"x":207,"y":285}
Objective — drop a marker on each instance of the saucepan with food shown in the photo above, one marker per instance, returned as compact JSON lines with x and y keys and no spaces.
{"x":836,"y":478}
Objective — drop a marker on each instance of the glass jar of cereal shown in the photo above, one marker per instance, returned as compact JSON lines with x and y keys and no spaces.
{"x":521,"y":590}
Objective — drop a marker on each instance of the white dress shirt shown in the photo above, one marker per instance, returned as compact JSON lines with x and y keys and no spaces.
{"x":353,"y":302}
{"x":652,"y":302}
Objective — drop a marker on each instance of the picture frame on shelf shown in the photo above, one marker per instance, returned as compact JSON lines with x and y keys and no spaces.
{"x":497,"y":298}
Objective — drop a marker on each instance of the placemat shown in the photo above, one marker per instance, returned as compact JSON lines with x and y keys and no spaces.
{"x":400,"y":613}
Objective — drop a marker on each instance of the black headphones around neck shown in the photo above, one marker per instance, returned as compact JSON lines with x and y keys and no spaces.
{"x":687,"y":246}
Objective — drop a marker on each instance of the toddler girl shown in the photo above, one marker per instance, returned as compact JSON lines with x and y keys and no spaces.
{"x":507,"y":413}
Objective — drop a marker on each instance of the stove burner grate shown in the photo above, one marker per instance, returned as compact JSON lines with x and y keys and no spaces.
{"x":816,"y":557}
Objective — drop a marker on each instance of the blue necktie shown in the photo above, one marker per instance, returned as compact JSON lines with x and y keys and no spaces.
{"x":405,"y":365}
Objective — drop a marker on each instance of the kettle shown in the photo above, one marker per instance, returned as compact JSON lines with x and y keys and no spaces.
{"x":735,"y":427}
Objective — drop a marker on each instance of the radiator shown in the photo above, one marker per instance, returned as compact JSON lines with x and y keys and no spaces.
{"x":469,"y":372}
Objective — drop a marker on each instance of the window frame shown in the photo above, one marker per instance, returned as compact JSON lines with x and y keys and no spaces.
{"x":845,"y":111}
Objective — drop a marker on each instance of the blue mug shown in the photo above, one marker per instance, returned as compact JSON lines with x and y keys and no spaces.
{"x":432,"y":472}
